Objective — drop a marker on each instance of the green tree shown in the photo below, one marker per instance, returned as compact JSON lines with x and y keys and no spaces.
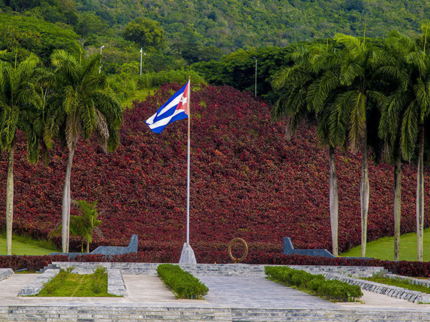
{"x":357,"y":93}
{"x":413,"y":98}
{"x":145,"y":32}
{"x":27,"y":35}
{"x":89,"y":23}
{"x":308,"y":95}
{"x":86,"y":224}
{"x":393,"y":114}
{"x":90,"y":107}
{"x":15,"y":100}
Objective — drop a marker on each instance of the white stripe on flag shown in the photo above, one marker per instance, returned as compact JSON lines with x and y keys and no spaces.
{"x":164,"y":121}
{"x":168,"y":107}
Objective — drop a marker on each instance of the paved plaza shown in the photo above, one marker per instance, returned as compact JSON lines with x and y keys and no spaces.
{"x":230,"y":298}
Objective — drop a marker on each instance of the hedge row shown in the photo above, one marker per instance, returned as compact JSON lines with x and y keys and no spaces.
{"x":337,"y":290}
{"x":185,"y":285}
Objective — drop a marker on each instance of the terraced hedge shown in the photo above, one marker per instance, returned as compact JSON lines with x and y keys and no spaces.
{"x":247,"y":181}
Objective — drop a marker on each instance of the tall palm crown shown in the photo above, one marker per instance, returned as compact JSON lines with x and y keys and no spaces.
{"x":88,"y":102}
{"x":90,"y":107}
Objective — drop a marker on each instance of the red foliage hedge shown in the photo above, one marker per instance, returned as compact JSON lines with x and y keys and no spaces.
{"x":246,"y":181}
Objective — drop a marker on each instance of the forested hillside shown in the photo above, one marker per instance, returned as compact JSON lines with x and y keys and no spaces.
{"x":203,"y":30}
{"x":232,"y":24}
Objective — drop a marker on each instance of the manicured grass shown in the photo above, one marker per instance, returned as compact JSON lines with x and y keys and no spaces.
{"x":399,"y":283}
{"x":67,"y":284}
{"x":383,"y":248}
{"x":24,"y":245}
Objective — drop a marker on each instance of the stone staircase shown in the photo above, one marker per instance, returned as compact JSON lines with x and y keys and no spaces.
{"x":110,"y":313}
{"x":50,"y":266}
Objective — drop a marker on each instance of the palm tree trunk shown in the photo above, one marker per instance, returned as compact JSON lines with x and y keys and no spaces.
{"x":9,"y":201}
{"x":397,"y":204}
{"x":65,"y":231}
{"x":364,"y":193}
{"x":88,"y":246}
{"x":420,"y":193}
{"x":334,"y":202}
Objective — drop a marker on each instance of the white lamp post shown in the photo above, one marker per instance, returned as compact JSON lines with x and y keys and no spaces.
{"x":101,"y":51}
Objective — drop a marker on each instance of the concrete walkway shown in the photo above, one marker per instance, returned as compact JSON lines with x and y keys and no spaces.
{"x":230,"y":291}
{"x":231,"y":298}
{"x":258,"y":292}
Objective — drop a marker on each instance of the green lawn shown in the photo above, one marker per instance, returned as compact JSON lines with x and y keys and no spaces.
{"x":67,"y":284}
{"x":383,"y":248}
{"x":23,"y":245}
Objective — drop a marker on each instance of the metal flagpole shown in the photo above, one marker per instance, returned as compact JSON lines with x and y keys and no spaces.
{"x":188,"y":161}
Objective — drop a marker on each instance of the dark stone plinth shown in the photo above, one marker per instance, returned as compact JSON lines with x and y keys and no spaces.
{"x":118,"y":250}
{"x":108,"y":250}
{"x":289,"y":250}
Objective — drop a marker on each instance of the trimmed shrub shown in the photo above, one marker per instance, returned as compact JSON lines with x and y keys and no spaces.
{"x":336,"y":290}
{"x":185,"y":285}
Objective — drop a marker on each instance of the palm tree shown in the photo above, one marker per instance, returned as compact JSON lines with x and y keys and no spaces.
{"x":309,"y":94}
{"x":85,"y":225}
{"x":413,"y":98}
{"x":90,"y":106}
{"x":395,"y":69}
{"x":15,"y":100}
{"x":357,"y":93}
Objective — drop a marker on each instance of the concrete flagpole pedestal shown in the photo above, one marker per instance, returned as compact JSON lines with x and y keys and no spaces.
{"x":187,"y":255}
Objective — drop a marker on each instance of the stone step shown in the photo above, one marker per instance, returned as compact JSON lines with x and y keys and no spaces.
{"x":109,"y":313}
{"x":49,"y":266}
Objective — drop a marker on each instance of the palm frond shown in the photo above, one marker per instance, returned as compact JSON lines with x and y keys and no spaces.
{"x":357,"y":120}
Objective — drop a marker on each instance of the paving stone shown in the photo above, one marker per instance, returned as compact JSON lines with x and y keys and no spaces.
{"x":37,"y":284}
{"x":5,"y":273}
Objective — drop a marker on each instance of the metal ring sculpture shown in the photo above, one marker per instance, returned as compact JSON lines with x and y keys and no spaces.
{"x":241,"y":259}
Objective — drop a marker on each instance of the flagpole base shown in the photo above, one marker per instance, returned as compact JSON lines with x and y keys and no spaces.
{"x":187,"y":255}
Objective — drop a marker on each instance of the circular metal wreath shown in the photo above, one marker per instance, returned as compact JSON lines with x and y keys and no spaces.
{"x":241,"y":259}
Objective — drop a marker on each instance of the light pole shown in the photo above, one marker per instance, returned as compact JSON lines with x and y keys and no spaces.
{"x":141,"y":52}
{"x":255,"y":76}
{"x":101,"y":51}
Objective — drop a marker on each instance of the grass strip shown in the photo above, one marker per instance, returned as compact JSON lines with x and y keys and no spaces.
{"x":25,"y":245}
{"x":183,"y":284}
{"x":68,"y":284}
{"x":383,"y":248}
{"x":314,"y":284}
{"x":399,"y":283}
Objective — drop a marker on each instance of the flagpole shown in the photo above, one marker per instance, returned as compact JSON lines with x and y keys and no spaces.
{"x":188,"y":161}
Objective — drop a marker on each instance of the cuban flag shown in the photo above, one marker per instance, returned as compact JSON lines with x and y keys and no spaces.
{"x":175,"y":109}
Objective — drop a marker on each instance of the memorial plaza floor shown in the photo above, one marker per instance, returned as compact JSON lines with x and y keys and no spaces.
{"x":232,"y":297}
